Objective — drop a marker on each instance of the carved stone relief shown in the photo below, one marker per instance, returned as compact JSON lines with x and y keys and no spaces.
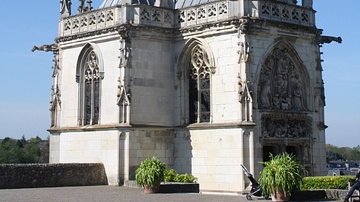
{"x":281,"y":84}
{"x":286,"y":126}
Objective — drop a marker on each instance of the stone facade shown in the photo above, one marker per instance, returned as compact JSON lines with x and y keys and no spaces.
{"x":204,"y":87}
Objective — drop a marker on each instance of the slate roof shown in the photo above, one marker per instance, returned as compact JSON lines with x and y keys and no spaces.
{"x":178,"y":3}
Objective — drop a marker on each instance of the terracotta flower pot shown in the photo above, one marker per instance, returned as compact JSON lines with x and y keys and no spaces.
{"x":151,"y":190}
{"x":279,"y":196}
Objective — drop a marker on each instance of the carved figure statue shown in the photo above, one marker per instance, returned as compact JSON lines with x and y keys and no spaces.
{"x":81,"y":7}
{"x":265,"y":94}
{"x":125,"y":51}
{"x":243,"y":52}
{"x":65,"y":8}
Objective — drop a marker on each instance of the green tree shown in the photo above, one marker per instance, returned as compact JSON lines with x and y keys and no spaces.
{"x":31,"y":153}
{"x":10,"y":151}
{"x":34,"y":150}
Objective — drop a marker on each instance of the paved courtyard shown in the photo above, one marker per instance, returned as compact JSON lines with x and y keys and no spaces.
{"x":106,"y":194}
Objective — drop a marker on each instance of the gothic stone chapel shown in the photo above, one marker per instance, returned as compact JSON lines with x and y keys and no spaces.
{"x":204,"y":85}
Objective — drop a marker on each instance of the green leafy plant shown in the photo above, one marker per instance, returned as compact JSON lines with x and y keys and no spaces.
{"x":170,"y":175}
{"x":186,"y":178}
{"x":282,"y":174}
{"x":150,"y":172}
{"x":173,"y":176}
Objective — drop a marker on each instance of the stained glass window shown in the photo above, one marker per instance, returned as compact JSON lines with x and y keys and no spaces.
{"x":199,"y":86}
{"x":91,"y":88}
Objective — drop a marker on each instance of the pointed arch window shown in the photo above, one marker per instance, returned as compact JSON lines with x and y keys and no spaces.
{"x":89,"y":77}
{"x":199,"y":86}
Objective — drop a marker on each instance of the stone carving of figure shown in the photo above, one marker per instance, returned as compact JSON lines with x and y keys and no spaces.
{"x":243,"y":52}
{"x":265,"y":94}
{"x":81,"y":7}
{"x":276,"y":101}
{"x":298,"y":103}
{"x":124,"y":54}
{"x":65,"y":8}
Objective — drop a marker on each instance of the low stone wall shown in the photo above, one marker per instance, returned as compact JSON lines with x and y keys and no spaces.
{"x":51,"y":175}
{"x":318,"y":195}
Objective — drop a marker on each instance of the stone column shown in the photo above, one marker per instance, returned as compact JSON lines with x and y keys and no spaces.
{"x":251,"y":152}
{"x":242,"y":184}
{"x":124,"y":157}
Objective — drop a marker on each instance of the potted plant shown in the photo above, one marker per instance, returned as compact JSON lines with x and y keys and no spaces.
{"x":280,"y":176}
{"x":149,"y":174}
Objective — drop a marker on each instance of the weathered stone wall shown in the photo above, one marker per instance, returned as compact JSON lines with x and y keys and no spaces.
{"x":51,"y":175}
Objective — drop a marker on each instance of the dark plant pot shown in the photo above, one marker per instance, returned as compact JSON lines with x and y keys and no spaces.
{"x":151,"y":190}
{"x":279,"y":196}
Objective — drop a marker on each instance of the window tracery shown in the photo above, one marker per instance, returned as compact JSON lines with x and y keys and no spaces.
{"x":89,"y":78}
{"x":199,"y":86}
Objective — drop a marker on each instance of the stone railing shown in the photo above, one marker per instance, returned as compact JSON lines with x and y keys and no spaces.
{"x":139,"y":14}
{"x":51,"y":175}
{"x":204,"y":13}
{"x":286,"y":13}
{"x":90,"y":21}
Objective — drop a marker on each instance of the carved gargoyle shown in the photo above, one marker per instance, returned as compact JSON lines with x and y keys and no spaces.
{"x":46,"y":47}
{"x":328,"y":39}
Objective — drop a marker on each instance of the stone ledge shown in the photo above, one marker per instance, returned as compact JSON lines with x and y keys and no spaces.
{"x":51,"y":175}
{"x":171,"y":187}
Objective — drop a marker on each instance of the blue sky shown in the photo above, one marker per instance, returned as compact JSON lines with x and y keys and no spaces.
{"x":26,"y":76}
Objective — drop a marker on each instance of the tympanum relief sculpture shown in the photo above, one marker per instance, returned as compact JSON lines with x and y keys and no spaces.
{"x":281,"y":97}
{"x":281,"y":84}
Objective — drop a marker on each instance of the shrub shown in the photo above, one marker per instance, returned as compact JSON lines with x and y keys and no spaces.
{"x":326,"y":182}
{"x":172,"y":176}
{"x":186,"y":178}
